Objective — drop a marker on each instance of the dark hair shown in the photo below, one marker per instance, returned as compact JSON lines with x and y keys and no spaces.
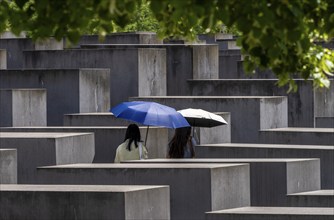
{"x":133,"y":134}
{"x":178,"y":142}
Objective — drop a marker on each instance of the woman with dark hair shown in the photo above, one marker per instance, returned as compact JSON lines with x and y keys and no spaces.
{"x":182,"y":144}
{"x":132,"y":147}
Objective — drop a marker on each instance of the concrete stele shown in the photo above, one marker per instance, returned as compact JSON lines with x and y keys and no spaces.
{"x":249,"y":150}
{"x":8,"y":166}
{"x":270,"y":179}
{"x":3,"y":59}
{"x":277,"y":213}
{"x":23,"y":107}
{"x":207,"y":186}
{"x":40,"y":202}
{"x":42,"y":149}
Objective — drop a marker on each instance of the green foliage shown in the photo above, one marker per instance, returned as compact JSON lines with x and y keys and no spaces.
{"x":142,"y":20}
{"x":279,"y":35}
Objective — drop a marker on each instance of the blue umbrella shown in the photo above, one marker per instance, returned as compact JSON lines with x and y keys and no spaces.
{"x":150,"y":113}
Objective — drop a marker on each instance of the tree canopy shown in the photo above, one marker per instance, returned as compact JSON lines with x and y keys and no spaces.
{"x":281,"y":35}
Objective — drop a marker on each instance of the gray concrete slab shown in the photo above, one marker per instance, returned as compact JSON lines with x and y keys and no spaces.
{"x":3,"y":59}
{"x":262,"y":111}
{"x":107,"y":139}
{"x":16,"y":45}
{"x":94,"y":119}
{"x":294,"y":135}
{"x":183,"y":62}
{"x":258,"y":74}
{"x":8,"y":166}
{"x":324,"y":101}
{"x":42,"y":202}
{"x":301,"y":109}
{"x":23,"y":107}
{"x":194,"y":188}
{"x":41,"y":149}
{"x":270,"y":179}
{"x":274,"y":213}
{"x":318,"y":198}
{"x":141,"y":71}
{"x":68,"y":91}
{"x":228,"y":68}
{"x":138,"y":37}
{"x":324,"y":122}
{"x":248,"y":150}
{"x":15,"y":48}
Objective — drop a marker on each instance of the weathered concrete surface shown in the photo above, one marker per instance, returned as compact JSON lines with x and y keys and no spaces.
{"x":228,"y":68}
{"x":152,"y":76}
{"x":8,"y":166}
{"x":239,"y":150}
{"x":183,"y":62}
{"x":307,"y":136}
{"x":205,"y":62}
{"x":301,"y":105}
{"x":270,"y":179}
{"x":68,"y":91}
{"x":23,"y":107}
{"x":107,"y":139}
{"x":15,"y":46}
{"x":94,"y":119}
{"x":194,"y":188}
{"x":126,"y":66}
{"x":138,"y":37}
{"x":3,"y":59}
{"x":324,"y":122}
{"x":319,"y":198}
{"x":262,"y":111}
{"x":259,"y":74}
{"x":218,"y":134}
{"x":43,"y":149}
{"x":42,"y":202}
{"x":49,"y":44}
{"x":275,"y":213}
{"x":324,"y":102}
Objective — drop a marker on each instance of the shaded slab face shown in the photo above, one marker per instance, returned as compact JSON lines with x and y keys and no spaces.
{"x":84,"y":202}
{"x":207,"y":186}
{"x":279,"y":213}
{"x":8,"y":166}
{"x":270,"y":179}
{"x":68,"y":91}
{"x":43,"y":149}
{"x":23,"y":107}
{"x":238,"y":150}
{"x":318,"y":198}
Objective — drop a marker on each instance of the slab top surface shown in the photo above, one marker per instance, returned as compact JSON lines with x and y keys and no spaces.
{"x":208,"y":97}
{"x":219,"y":160}
{"x":300,"y":129}
{"x":39,"y":134}
{"x":141,"y":166}
{"x":278,"y":211}
{"x":278,"y":146}
{"x":324,"y":192}
{"x":75,"y":188}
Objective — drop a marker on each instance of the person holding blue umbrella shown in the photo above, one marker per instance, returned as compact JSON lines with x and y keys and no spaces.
{"x":150,"y":114}
{"x":132,"y":147}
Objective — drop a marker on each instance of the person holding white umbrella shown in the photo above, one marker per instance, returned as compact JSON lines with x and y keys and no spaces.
{"x":182,"y":144}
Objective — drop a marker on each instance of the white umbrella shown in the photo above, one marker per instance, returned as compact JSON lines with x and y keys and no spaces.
{"x":202,"y":118}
